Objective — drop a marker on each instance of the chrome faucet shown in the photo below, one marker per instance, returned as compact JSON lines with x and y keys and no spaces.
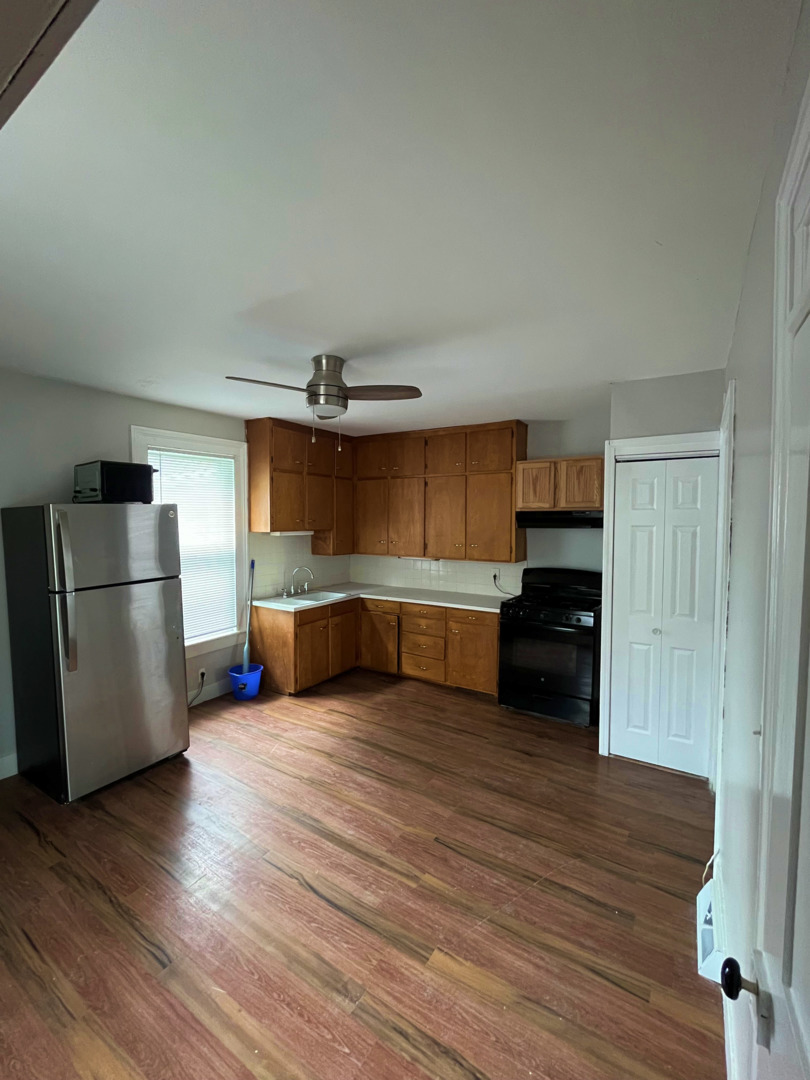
{"x":306,"y":583}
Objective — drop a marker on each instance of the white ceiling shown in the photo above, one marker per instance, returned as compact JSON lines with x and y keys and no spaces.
{"x":508,"y":202}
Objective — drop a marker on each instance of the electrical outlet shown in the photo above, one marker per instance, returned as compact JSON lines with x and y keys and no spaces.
{"x":496,"y":574}
{"x":201,"y":673}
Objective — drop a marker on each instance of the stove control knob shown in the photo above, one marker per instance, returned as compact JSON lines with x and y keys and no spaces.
{"x":577,"y":619}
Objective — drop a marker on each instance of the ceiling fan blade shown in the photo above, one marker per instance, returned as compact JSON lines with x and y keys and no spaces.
{"x":262,"y":382}
{"x":393,"y":392}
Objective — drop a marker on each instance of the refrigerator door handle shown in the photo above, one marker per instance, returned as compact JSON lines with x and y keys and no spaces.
{"x":66,"y":551}
{"x":67,"y":602}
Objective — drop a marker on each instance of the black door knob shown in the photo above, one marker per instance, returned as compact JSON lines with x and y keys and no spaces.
{"x":732,"y":982}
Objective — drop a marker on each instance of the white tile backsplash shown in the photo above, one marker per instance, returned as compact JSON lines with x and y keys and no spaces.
{"x":277,"y":556}
{"x":448,"y":574}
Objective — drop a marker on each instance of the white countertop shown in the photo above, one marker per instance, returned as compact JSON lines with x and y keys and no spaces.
{"x":437,"y":597}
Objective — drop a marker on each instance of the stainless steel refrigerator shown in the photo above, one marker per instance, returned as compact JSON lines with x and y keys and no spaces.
{"x":96,"y":627}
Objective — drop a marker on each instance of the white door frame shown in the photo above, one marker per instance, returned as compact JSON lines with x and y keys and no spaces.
{"x":693,"y":444}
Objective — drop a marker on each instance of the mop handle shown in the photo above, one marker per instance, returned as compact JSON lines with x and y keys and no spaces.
{"x":246,"y":652}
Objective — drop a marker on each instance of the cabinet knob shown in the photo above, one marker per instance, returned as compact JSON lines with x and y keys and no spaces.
{"x":458,"y":545}
{"x":423,"y":612}
{"x":383,"y":468}
{"x":454,"y":631}
{"x":298,"y":461}
{"x":392,"y":541}
{"x":395,"y":468}
{"x":393,"y":622}
{"x":321,"y":627}
{"x":422,"y":667}
{"x":459,"y":464}
{"x":472,"y":618}
{"x":423,"y":646}
{"x":473,"y":545}
{"x":475,"y":462}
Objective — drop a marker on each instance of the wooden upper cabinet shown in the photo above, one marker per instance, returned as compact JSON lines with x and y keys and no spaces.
{"x":259,"y":437}
{"x":320,"y":455}
{"x":312,"y":653}
{"x":344,"y":459}
{"x":289,"y":448}
{"x":343,"y":540}
{"x":320,"y":498}
{"x":406,"y":516}
{"x":536,"y":485}
{"x":406,"y":457}
{"x":490,"y":525}
{"x":371,"y":458}
{"x":445,"y":514}
{"x":379,"y":641}
{"x":580,"y":483}
{"x":446,"y":454}
{"x":490,"y":450}
{"x":371,"y":517}
{"x":472,"y":656}
{"x":288,"y":502}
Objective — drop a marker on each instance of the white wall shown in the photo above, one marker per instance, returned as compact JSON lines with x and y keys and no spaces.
{"x":46,"y":427}
{"x":670,"y":405}
{"x":277,"y":556}
{"x":586,"y":432}
{"x":751,"y":365}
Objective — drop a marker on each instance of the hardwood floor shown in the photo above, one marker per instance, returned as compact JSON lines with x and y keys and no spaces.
{"x":378,"y":879}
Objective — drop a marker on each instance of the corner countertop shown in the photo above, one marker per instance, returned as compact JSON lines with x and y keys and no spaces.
{"x":437,"y":597}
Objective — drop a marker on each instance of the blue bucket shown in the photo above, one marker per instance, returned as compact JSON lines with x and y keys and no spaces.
{"x":245,"y":685}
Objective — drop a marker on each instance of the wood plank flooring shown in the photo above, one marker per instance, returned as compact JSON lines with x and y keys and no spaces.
{"x":377,"y":879}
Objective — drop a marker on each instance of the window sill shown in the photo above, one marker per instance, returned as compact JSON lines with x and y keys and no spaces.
{"x":200,"y":645}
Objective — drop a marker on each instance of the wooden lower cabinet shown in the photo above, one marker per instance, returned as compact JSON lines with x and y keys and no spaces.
{"x":379,"y":641}
{"x":312,"y":653}
{"x":472,"y":655}
{"x":342,"y":643}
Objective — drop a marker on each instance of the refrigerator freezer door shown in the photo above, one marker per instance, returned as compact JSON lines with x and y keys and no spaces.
{"x":124,"y":703}
{"x":108,"y":544}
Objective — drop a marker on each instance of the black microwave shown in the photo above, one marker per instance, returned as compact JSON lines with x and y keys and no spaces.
{"x":112,"y":482}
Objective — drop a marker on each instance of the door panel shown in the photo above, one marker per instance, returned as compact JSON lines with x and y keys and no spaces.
{"x":371,"y":517}
{"x":320,"y":495}
{"x":313,"y":653}
{"x":535,"y":485}
{"x":489,"y":450}
{"x":321,"y":456}
{"x":125,"y":701}
{"x":446,"y":455}
{"x":490,"y":523}
{"x":344,"y":460}
{"x":343,"y":540}
{"x":406,"y":517}
{"x":638,"y":580}
{"x":472,"y":656}
{"x":289,"y":449}
{"x":406,"y":457}
{"x":289,"y":498}
{"x":687,"y":626}
{"x":371,"y":458}
{"x":342,"y":642}
{"x":445,"y":517}
{"x":111,"y":544}
{"x":580,"y":483}
{"x":379,"y":639}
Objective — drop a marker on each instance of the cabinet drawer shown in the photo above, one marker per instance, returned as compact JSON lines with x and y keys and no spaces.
{"x":391,"y":606}
{"x":422,"y":645}
{"x":344,"y":607}
{"x":311,"y":615}
{"x":420,"y":624}
{"x":479,"y":618}
{"x":430,"y":611}
{"x":422,"y":667}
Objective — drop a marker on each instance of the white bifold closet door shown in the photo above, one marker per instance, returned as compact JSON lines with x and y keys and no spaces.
{"x":665,"y":532}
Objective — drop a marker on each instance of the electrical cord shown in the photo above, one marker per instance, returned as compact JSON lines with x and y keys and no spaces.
{"x":498,"y":586}
{"x":202,"y":684}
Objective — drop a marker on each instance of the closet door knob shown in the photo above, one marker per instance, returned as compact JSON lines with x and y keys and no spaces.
{"x":656,"y":631}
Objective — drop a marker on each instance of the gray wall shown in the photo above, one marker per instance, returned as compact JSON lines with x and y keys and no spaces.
{"x":45,"y":428}
{"x":751,"y":365}
{"x":584,"y":433}
{"x":670,"y":405}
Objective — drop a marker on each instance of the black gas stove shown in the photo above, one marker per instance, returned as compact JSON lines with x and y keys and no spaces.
{"x":549,"y":649}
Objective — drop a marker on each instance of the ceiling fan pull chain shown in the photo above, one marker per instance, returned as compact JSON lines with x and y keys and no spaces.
{"x":340,"y":448}
{"x":313,"y":423}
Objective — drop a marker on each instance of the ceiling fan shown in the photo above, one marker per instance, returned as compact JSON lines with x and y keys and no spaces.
{"x":328,"y":394}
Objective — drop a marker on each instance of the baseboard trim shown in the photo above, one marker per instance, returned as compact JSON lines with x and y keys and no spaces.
{"x":212,"y":690}
{"x":8,"y":766}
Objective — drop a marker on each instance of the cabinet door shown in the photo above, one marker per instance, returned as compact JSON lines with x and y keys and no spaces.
{"x":344,"y":517}
{"x":344,"y":460}
{"x":371,"y":517}
{"x":321,"y":455}
{"x":406,"y":516}
{"x":445,"y":502}
{"x":313,"y":653}
{"x":490,"y":521}
{"x":489,"y":450}
{"x":259,"y":436}
{"x":536,"y":481}
{"x":379,"y":633}
{"x":371,"y":458}
{"x":342,"y":643}
{"x":472,"y":656}
{"x":289,"y":449}
{"x":320,"y":512}
{"x":579,"y":483}
{"x":288,"y":502}
{"x":406,"y":457}
{"x":446,"y":455}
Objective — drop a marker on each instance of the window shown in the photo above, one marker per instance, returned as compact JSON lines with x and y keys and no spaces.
{"x":205,"y":477}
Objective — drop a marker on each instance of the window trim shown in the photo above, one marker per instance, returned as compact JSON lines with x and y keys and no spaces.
{"x":142,"y":440}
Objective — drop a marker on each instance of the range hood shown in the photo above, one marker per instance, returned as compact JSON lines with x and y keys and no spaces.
{"x":559,"y":519}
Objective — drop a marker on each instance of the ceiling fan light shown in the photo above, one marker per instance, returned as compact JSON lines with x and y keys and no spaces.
{"x":329,"y":412}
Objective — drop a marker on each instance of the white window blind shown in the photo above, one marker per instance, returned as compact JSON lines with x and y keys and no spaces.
{"x":203,"y":486}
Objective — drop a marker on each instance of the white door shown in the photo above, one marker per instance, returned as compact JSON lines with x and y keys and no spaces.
{"x":663,"y":611}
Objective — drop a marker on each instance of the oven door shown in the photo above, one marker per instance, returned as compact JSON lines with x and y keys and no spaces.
{"x":541,"y":661}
